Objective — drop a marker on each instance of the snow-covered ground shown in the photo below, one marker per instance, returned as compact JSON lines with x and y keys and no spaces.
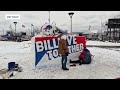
{"x":100,"y":43}
{"x":105,"y":64}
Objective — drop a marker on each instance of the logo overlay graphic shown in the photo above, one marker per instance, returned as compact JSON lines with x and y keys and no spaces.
{"x":12,"y":16}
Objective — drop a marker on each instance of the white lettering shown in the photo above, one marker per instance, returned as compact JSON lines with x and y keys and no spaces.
{"x":49,"y":54}
{"x":69,"y":49}
{"x":74,"y":40}
{"x":49,"y":46}
{"x":81,"y":47}
{"x":55,"y":53}
{"x":73,"y":48}
{"x":45,"y":45}
{"x":39,"y":46}
{"x":54,"y":44}
{"x":69,"y":40}
{"x":77,"y":47}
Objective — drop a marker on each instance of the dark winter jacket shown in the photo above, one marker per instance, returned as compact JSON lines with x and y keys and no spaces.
{"x":62,"y":47}
{"x":85,"y":55}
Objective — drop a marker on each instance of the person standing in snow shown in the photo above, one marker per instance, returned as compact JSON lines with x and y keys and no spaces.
{"x":63,"y":51}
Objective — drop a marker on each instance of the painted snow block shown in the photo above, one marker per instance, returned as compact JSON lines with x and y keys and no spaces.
{"x":46,"y":48}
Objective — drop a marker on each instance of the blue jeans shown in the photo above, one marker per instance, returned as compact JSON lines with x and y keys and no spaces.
{"x":64,"y":61}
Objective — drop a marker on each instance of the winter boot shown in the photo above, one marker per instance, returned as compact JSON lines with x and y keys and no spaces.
{"x":65,"y":69}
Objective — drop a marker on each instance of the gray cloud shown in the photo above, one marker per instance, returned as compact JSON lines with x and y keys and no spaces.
{"x":2,"y":23}
{"x":30,"y":17}
{"x":63,"y":25}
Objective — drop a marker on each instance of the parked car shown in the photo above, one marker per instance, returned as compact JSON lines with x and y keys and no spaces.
{"x":25,"y":38}
{"x":4,"y":39}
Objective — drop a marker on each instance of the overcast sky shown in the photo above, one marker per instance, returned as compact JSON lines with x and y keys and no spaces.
{"x":81,"y":19}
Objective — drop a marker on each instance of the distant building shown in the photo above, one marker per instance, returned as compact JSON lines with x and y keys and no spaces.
{"x":90,"y":35}
{"x":113,"y":30}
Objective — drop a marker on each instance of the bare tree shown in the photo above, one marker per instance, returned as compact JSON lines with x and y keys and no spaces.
{"x":36,"y":30}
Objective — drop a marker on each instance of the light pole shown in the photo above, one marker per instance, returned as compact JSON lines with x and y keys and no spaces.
{"x":71,"y":14}
{"x":89,"y":27}
{"x":24,"y":27}
{"x":49,"y":17}
{"x":31,"y":29}
{"x":15,"y":26}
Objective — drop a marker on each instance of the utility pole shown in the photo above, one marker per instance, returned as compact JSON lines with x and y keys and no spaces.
{"x":71,"y":14}
{"x":31,"y":29}
{"x":101,"y":30}
{"x":89,"y":27}
{"x":3,"y":31}
{"x":119,"y":35}
{"x":15,"y":27}
{"x":49,"y":17}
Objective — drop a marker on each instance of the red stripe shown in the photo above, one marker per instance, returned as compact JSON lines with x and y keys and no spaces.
{"x":81,"y":39}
